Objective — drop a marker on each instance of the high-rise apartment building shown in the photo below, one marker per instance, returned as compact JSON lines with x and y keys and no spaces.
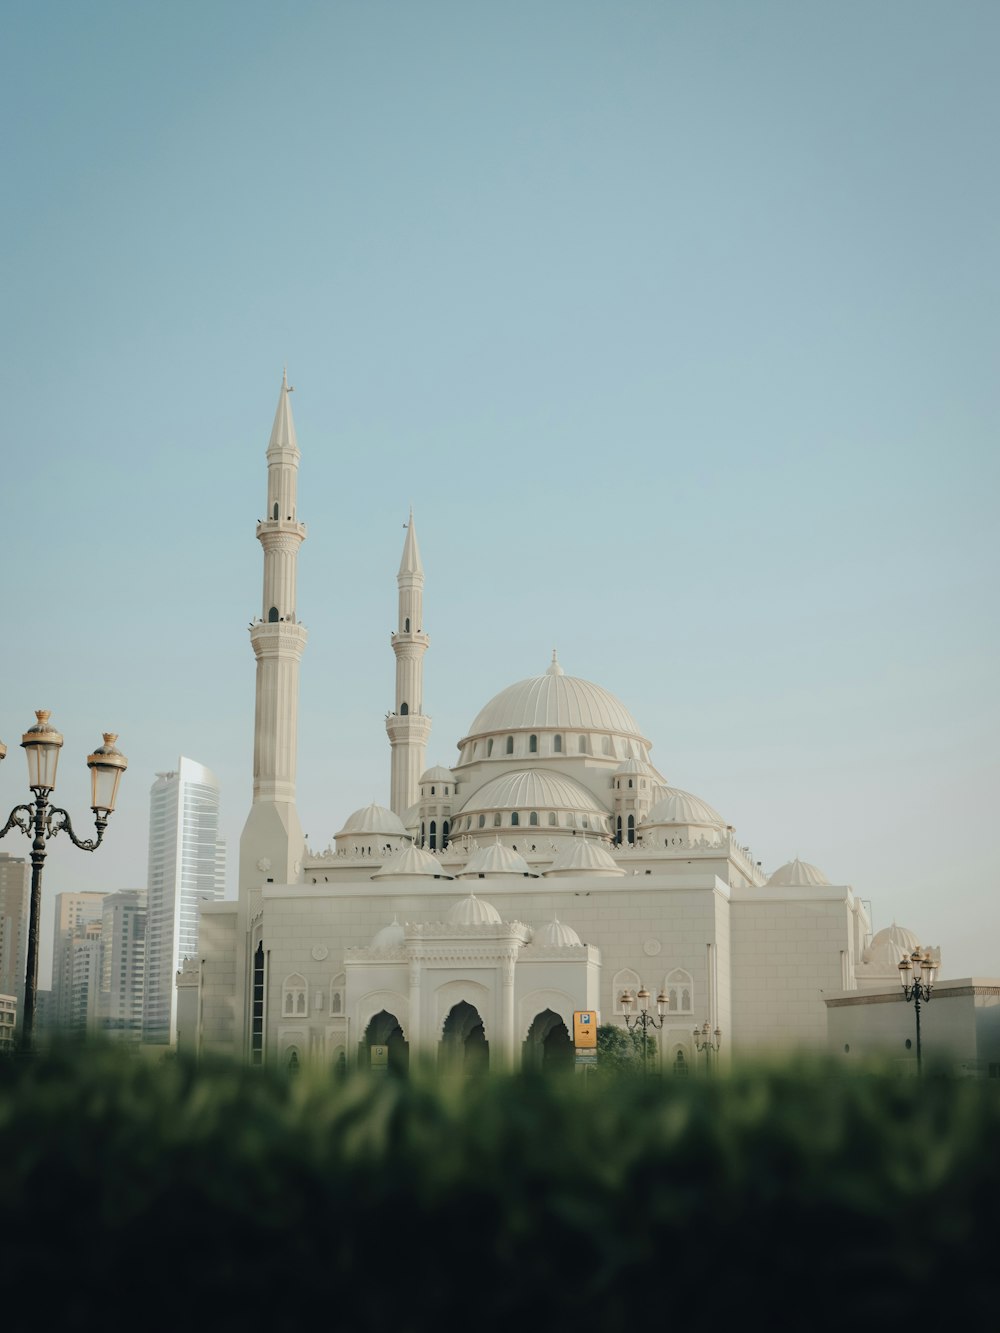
{"x":76,"y":914}
{"x":15,"y":889}
{"x":123,"y":965}
{"x":187,"y":866}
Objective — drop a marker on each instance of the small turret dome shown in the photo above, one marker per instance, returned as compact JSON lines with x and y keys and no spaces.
{"x":390,"y":936}
{"x":889,"y":946}
{"x":556,"y":935}
{"x":496,"y":859}
{"x":582,"y":856}
{"x":374,"y":819}
{"x":680,"y":807}
{"x":473,"y":911}
{"x":437,"y":774}
{"x":414,"y":861}
{"x":798,"y":874}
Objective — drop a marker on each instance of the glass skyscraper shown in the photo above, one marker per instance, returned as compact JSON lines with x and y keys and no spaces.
{"x":187,"y":866}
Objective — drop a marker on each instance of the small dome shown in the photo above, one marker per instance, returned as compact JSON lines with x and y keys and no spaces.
{"x":555,"y":700}
{"x":473,"y":911}
{"x":414,"y":861}
{"x":495,"y":859}
{"x":680,"y":807}
{"x":437,"y":774}
{"x":374,"y":819}
{"x":583,"y":856}
{"x":798,"y":874}
{"x":639,"y":766}
{"x":556,"y":935}
{"x":390,"y":936}
{"x":889,"y":946}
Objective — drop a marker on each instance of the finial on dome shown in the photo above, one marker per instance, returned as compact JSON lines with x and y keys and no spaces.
{"x":554,"y":668}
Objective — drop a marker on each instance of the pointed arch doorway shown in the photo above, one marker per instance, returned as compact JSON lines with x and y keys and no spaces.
{"x":384,"y":1030}
{"x":548,"y":1045}
{"x":464,"y":1048}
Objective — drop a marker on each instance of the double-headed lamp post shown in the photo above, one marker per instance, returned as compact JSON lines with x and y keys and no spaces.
{"x":40,"y":821}
{"x":643,"y":1019}
{"x":916,"y":974}
{"x":708,"y":1041}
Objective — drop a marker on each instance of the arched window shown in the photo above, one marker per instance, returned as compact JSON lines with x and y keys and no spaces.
{"x":432,"y":789}
{"x":553,"y":819}
{"x":510,"y":744}
{"x":257,"y":1015}
{"x":626,"y":979}
{"x":630,"y":782}
{"x":582,"y":745}
{"x":618,"y":830}
{"x":275,"y":509}
{"x":489,"y":748}
{"x":532,"y":744}
{"x":631,"y":830}
{"x":423,"y":834}
{"x":445,"y":830}
{"x":557,"y":744}
{"x":496,"y":820}
{"x":680,"y":1065}
{"x":404,"y":708}
{"x":515,"y":818}
{"x":272,"y":616}
{"x":434,"y":830}
{"x":606,"y":745}
{"x":406,"y":625}
{"x":294,"y":995}
{"x":586,"y":822}
{"x":533,"y":817}
{"x":482,"y":821}
{"x":679,"y":985}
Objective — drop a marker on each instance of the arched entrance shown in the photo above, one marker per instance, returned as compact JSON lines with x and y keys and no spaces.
{"x":548,"y":1044}
{"x":464,"y":1048}
{"x":384,"y":1030}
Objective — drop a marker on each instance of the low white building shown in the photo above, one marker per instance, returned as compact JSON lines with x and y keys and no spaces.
{"x":551,"y":866}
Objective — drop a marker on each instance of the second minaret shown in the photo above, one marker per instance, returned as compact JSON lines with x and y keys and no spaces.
{"x":408,"y":727}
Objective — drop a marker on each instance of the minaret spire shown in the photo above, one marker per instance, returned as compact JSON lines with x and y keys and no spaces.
{"x":272,"y":845}
{"x":407,"y":725}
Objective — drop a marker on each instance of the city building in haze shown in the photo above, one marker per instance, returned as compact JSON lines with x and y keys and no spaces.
{"x":15,"y":898}
{"x":187,"y":866}
{"x":75,"y":964}
{"x":123,"y":965}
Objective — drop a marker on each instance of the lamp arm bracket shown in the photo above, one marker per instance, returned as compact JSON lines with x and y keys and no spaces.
{"x":58,"y":821}
{"x":22,"y":817}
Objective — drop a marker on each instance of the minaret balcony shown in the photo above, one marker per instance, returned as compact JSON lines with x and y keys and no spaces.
{"x":281,"y":525}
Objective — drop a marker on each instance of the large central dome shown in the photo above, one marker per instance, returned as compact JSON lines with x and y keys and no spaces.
{"x":555,"y":700}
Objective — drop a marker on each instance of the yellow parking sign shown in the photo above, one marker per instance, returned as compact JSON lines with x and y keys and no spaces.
{"x":585,"y":1028}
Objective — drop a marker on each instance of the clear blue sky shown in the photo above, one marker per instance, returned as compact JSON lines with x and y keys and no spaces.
{"x":675,"y":322}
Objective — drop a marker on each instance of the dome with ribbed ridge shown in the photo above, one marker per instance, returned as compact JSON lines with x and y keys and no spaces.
{"x":583,"y":856}
{"x":533,"y":789}
{"x":889,"y":946}
{"x":556,"y":935}
{"x":413,"y":862}
{"x":473,"y":911}
{"x":555,"y":700}
{"x":680,"y":807}
{"x":437,"y":774}
{"x":798,"y":874}
{"x":495,"y":859}
{"x":390,"y":936}
{"x":372,"y":819}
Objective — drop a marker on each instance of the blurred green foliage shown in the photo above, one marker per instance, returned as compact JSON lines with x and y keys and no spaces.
{"x":800,"y":1196}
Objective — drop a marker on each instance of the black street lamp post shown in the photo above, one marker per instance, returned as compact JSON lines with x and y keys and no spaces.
{"x":643,"y":1019}
{"x":41,"y":822}
{"x":708,"y":1041}
{"x":916,"y":975}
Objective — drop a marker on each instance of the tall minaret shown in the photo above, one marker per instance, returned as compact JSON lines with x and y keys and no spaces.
{"x":272,"y":845}
{"x":408,"y":727}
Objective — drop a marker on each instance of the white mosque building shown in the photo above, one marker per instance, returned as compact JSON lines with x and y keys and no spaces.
{"x":548,"y":870}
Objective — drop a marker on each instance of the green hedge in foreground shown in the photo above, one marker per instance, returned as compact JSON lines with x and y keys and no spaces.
{"x":800,"y":1198}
